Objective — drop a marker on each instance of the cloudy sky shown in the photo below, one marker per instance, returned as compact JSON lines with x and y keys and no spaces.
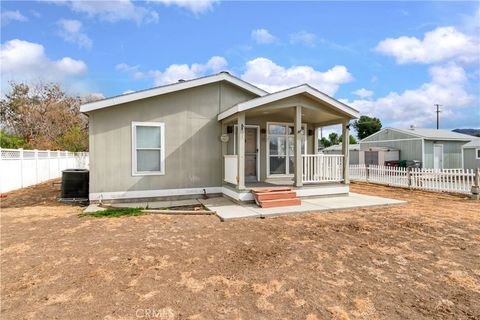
{"x":390,"y":60}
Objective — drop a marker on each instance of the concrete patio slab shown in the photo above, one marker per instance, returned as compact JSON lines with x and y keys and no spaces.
{"x":228,"y":210}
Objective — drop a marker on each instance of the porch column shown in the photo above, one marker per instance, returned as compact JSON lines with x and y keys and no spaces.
{"x":298,"y":147}
{"x":345,"y":151}
{"x":241,"y":151}
{"x":224,"y":151}
{"x":315,"y":140}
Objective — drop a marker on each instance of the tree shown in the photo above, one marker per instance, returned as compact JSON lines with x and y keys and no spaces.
{"x":325,"y":143}
{"x":45,"y":117}
{"x":366,"y":126}
{"x":9,"y":141}
{"x":351,"y":140}
{"x":333,"y":137}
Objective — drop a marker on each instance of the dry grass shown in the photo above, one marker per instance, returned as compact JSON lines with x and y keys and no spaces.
{"x":419,"y":260}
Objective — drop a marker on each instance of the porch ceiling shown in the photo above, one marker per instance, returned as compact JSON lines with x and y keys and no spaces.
{"x":317,"y":107}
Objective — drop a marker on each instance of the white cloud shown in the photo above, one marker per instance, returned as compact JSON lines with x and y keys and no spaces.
{"x":438,"y":45}
{"x":303,"y":37}
{"x":272,"y":77}
{"x":363,"y":93}
{"x":9,"y":16}
{"x":175,"y":72}
{"x":195,"y":6}
{"x":415,"y":106}
{"x":71,"y":31}
{"x":263,"y":36}
{"x":26,"y":61}
{"x":113,"y":10}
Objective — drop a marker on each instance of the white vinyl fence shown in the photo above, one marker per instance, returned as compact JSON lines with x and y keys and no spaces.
{"x":22,"y":168}
{"x":448,"y":180}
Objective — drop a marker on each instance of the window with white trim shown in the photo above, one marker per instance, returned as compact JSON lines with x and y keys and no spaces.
{"x":478,"y":153}
{"x":148,"y":148}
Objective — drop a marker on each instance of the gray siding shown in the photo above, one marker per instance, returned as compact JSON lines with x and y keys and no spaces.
{"x":388,"y":134}
{"x":409,"y":149}
{"x":354,"y":157}
{"x":469,"y":159}
{"x":452,"y":153}
{"x":193,"y":149}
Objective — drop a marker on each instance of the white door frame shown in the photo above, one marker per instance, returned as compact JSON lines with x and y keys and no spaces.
{"x":281,"y":175}
{"x":440,"y":146}
{"x":235,"y":131}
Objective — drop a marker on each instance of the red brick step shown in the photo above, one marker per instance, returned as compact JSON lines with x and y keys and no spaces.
{"x":275,"y":197}
{"x":280,"y":203}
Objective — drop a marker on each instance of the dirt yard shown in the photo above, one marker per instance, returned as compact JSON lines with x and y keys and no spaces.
{"x":413,"y":261}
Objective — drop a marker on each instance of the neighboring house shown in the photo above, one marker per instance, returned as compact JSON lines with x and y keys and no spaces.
{"x":471,"y":154}
{"x":213,"y":135}
{"x":337,"y":149}
{"x":439,"y":149}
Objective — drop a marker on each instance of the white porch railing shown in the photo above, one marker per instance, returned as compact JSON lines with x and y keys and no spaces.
{"x":231,"y":169}
{"x":322,"y":168}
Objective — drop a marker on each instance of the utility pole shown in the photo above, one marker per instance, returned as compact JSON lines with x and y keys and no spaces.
{"x":438,"y":114}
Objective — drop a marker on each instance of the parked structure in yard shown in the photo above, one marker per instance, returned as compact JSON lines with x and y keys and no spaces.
{"x":22,"y":168}
{"x":214,"y":135}
{"x":436,"y":149}
{"x":353,"y":150}
{"x":471,"y":154}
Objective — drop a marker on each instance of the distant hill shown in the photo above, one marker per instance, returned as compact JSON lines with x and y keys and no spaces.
{"x":472,"y":132}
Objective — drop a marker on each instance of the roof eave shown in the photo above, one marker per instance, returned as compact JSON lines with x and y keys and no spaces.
{"x":148,"y":93}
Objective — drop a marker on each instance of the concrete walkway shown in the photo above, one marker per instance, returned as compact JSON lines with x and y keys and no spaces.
{"x":228,"y":210}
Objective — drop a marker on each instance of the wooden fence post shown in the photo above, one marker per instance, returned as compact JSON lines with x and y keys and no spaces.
{"x":367,"y":172}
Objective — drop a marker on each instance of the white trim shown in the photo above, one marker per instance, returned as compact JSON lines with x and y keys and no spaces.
{"x":239,"y":196}
{"x":246,"y":195}
{"x":222,"y":76}
{"x":161,"y":125}
{"x":476,"y":153}
{"x":304,"y":88}
{"x":287,"y":124}
{"x":258,"y":144}
{"x":423,"y":153}
{"x":152,"y":193}
{"x":391,"y":140}
{"x":308,"y":192}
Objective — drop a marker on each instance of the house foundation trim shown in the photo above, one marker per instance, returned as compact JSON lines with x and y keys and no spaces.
{"x":152,"y":193}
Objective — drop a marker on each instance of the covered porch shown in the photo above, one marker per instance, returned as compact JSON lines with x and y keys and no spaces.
{"x":273,"y":141}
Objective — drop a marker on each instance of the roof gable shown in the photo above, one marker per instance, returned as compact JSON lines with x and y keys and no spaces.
{"x":419,"y":133}
{"x":302,"y":89}
{"x":169,"y":88}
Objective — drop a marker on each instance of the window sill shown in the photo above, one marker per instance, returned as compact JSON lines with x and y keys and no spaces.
{"x":140,"y":174}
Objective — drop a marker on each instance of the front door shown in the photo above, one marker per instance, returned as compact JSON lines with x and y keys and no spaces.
{"x":438,"y":156}
{"x":251,"y":153}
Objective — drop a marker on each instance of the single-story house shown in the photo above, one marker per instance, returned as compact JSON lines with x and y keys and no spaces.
{"x":438,"y":149}
{"x":214,"y":135}
{"x":337,"y":149}
{"x":471,"y":154}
